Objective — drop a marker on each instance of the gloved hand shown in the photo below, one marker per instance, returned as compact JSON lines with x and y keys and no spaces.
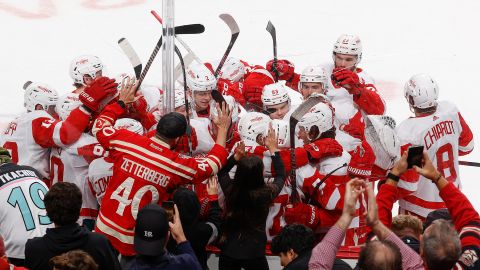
{"x":182,"y":145}
{"x":323,"y":148}
{"x":230,"y":88}
{"x":93,"y":95}
{"x":302,"y":213}
{"x":361,"y":162}
{"x":355,"y":126}
{"x":348,"y":80}
{"x":286,"y":69}
{"x":254,"y":95}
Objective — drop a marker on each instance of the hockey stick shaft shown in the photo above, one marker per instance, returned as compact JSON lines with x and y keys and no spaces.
{"x":150,"y":61}
{"x":132,"y":56}
{"x":235,"y":31}
{"x":469,"y":163}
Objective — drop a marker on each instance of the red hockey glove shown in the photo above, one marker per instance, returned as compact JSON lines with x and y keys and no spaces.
{"x":355,"y":126}
{"x":362,"y":161}
{"x":286,"y":69}
{"x":94,"y":94}
{"x":349,"y":80}
{"x":254,"y":95}
{"x":182,"y":145}
{"x":324,"y":148}
{"x":302,"y":213}
{"x":234,"y":89}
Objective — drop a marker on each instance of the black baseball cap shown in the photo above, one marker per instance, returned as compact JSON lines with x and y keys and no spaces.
{"x":151,"y":230}
{"x":172,"y":125}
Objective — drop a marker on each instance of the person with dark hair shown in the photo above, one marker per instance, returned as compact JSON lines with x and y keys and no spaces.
{"x":74,"y":260}
{"x":247,"y":199}
{"x":443,"y":245}
{"x":199,"y":233}
{"x":20,"y":218}
{"x":63,"y":202}
{"x":147,"y":169}
{"x":152,"y":232}
{"x":294,"y":246}
{"x":378,"y":255}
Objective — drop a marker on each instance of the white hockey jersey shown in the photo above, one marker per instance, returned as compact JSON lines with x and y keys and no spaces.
{"x":444,"y":135}
{"x":22,"y":214}
{"x":100,"y":172}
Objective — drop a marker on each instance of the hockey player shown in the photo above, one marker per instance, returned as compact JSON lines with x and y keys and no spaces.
{"x":100,"y":170}
{"x":22,"y":213}
{"x":244,"y":82}
{"x":200,"y":83}
{"x":84,"y":70}
{"x":69,"y":163}
{"x":441,"y":129}
{"x":277,"y":102}
{"x":313,"y":80}
{"x":31,"y":135}
{"x":146,"y":171}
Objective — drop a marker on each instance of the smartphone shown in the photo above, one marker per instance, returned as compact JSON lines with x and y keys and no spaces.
{"x":168,"y":206}
{"x":415,"y":156}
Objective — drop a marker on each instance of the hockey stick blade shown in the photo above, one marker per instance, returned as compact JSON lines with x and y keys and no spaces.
{"x":271,"y":29}
{"x":189,"y":29}
{"x":469,"y":163}
{"x":235,"y":31}
{"x":132,"y":56}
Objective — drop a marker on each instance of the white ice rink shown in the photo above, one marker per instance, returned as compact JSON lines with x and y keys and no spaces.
{"x":400,"y":38}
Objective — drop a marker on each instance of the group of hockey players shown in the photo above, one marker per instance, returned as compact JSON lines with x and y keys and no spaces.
{"x":345,"y":135}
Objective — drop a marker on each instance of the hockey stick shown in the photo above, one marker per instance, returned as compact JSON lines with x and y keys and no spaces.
{"x":469,"y":163}
{"x":273,"y":33}
{"x":182,"y":29}
{"x":232,"y":24}
{"x":294,"y":119}
{"x":189,"y":128}
{"x":132,"y":56}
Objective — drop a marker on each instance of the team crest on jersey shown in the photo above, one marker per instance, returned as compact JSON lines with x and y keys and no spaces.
{"x":469,"y":257}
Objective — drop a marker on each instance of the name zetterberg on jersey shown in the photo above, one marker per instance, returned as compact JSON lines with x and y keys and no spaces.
{"x":438,"y":131}
{"x":143,"y":172}
{"x":13,"y":175}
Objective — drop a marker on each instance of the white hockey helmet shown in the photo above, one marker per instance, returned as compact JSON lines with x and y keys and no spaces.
{"x":282,"y":129}
{"x":253,"y":124}
{"x":381,"y":136}
{"x":66,"y":104}
{"x":200,"y":78}
{"x":232,"y":105}
{"x":39,"y":94}
{"x":85,"y":65}
{"x":421,"y":91}
{"x":232,"y":70}
{"x":274,"y":94}
{"x":314,"y":74}
{"x":321,"y":115}
{"x":130,"y":124}
{"x":153,"y":95}
{"x":179,"y":97}
{"x":348,"y":44}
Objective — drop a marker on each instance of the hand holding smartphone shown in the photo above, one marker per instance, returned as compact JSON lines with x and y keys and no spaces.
{"x":415,"y":156}
{"x":168,"y":206}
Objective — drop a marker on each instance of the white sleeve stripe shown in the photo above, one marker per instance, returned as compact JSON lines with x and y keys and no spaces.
{"x":213,"y":165}
{"x":468,"y":147}
{"x":214,"y":233}
{"x":56,"y":134}
{"x":407,"y":185}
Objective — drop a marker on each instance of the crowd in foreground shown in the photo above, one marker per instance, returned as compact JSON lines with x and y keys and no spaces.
{"x":255,"y":160}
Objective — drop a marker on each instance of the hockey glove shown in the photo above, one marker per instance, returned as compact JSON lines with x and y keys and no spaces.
{"x":182,"y":145}
{"x":324,"y":148}
{"x":355,"y":126}
{"x":349,"y":80}
{"x":362,"y":161}
{"x":302,"y":213}
{"x":286,"y":69}
{"x":234,"y":89}
{"x":98,"y":91}
{"x":254,"y":95}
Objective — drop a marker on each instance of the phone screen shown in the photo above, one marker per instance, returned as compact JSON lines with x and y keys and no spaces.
{"x":168,"y":206}
{"x":415,"y":156}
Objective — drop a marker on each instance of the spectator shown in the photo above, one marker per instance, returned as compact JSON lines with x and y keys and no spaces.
{"x":20,"y":219}
{"x":408,"y":228}
{"x":63,"y":203}
{"x":199,"y":233}
{"x":4,"y":264}
{"x":74,"y":260}
{"x":383,"y":255}
{"x":247,"y":200}
{"x":323,"y":255}
{"x":151,"y":237}
{"x":441,"y":243}
{"x":294,"y":246}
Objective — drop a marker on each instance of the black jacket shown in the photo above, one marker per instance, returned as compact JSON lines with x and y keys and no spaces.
{"x":299,"y":263}
{"x":185,"y":259}
{"x":39,"y":250}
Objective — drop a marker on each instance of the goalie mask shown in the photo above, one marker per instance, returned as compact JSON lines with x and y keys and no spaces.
{"x":421,"y":91}
{"x":381,"y":136}
{"x":252,"y":125}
